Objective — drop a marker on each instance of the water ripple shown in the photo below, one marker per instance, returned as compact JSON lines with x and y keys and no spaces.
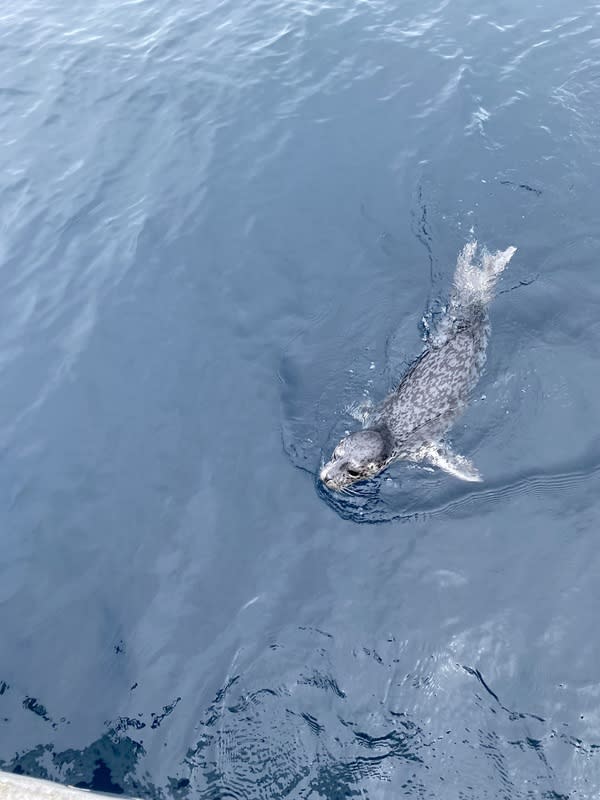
{"x":221,"y":226}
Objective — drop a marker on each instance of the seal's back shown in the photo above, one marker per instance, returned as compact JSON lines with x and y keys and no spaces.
{"x":436,"y":388}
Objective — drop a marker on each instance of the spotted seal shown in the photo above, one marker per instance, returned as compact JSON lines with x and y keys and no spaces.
{"x":412,"y":420}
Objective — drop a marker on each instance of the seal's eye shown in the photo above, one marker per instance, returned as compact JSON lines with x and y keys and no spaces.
{"x":353,"y":473}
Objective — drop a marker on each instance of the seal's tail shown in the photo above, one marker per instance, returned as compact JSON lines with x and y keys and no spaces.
{"x":475,"y":281}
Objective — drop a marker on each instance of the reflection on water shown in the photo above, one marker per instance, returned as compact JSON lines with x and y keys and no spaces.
{"x":225,"y":228}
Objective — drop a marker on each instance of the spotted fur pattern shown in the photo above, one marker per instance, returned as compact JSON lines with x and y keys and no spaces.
{"x":436,"y":388}
{"x":412,"y":420}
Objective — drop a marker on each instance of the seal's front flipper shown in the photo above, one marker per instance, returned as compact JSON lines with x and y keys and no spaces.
{"x":456,"y":465}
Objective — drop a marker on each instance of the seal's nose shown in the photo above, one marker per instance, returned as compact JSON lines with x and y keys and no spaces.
{"x":330,"y":475}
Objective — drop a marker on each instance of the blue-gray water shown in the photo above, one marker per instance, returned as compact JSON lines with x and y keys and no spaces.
{"x":221,"y":224}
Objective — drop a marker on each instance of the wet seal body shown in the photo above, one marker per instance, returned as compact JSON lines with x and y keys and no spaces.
{"x":411,"y":422}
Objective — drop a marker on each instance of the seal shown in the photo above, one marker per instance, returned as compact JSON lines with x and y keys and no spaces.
{"x":411,"y":422}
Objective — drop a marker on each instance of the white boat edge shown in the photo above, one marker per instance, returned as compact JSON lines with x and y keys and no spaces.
{"x":20,"y":787}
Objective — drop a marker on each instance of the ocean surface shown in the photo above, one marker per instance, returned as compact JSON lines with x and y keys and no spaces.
{"x":223,"y":227}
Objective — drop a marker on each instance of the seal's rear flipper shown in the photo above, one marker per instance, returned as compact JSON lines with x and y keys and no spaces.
{"x":439,"y":455}
{"x":474,"y":282}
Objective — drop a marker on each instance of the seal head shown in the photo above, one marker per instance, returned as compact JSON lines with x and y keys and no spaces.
{"x":358,"y":456}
